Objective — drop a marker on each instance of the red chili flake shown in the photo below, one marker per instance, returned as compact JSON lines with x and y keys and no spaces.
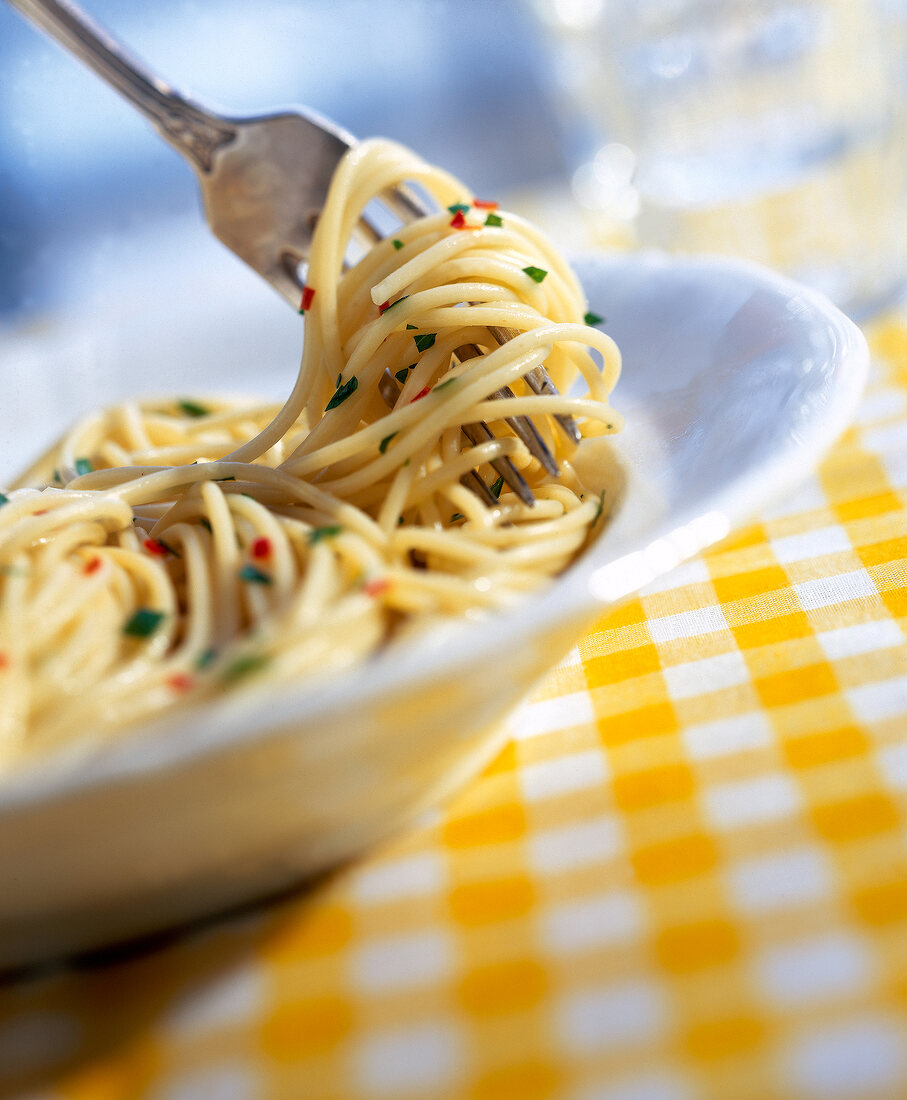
{"x":181,"y":681}
{"x":308,"y":293}
{"x":40,"y":512}
{"x":458,"y":221}
{"x":384,"y":306}
{"x":91,"y":566}
{"x":376,"y":586}
{"x":4,"y":661}
{"x":156,"y":547}
{"x":421,"y":394}
{"x":479,"y":204}
{"x":261,"y":548}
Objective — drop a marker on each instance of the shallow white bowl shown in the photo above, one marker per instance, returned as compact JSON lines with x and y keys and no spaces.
{"x":735,"y":380}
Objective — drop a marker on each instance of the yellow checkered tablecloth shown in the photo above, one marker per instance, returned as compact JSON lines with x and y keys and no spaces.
{"x":685,"y":878}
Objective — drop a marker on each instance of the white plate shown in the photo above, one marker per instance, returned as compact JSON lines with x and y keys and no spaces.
{"x":735,"y":381}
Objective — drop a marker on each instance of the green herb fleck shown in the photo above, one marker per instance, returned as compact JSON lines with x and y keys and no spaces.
{"x":447,"y":382}
{"x":244,"y":666}
{"x":143,"y":623}
{"x":205,"y":522}
{"x":591,"y":318}
{"x":343,"y":392}
{"x":397,"y":243}
{"x":424,"y":340}
{"x":459,"y":208}
{"x":4,"y":499}
{"x":329,"y":531}
{"x":409,"y":326}
{"x":601,"y":505}
{"x":382,"y":446}
{"x":206,"y":658}
{"x":456,"y":516}
{"x":230,"y":477}
{"x":398,"y":301}
{"x":400,"y":375}
{"x":83,"y":466}
{"x":497,"y":486}
{"x":252,"y":575}
{"x":192,"y":408}
{"x":57,"y":477}
{"x":537,"y":274}
{"x":494,"y":219}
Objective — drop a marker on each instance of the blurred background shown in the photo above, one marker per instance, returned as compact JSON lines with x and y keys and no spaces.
{"x":85,"y":180}
{"x":772,"y":129}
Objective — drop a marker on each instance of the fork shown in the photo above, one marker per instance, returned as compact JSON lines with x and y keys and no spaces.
{"x":263,"y":179}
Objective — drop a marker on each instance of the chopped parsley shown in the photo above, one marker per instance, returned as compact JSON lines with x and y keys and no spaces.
{"x":497,"y":486}
{"x":343,"y":392}
{"x":397,"y":243}
{"x":192,"y":408}
{"x":411,"y":326}
{"x":425,"y":340}
{"x":456,"y":516}
{"x":400,"y":375}
{"x":459,"y":208}
{"x":4,"y":499}
{"x":83,"y":466}
{"x":382,"y":446}
{"x":591,"y":318}
{"x":143,"y":623}
{"x":329,"y":531}
{"x":206,"y":658}
{"x":537,"y":274}
{"x":244,"y":666}
{"x":385,"y":306}
{"x":601,"y":505}
{"x":494,"y":220}
{"x":251,"y":575}
{"x":447,"y":382}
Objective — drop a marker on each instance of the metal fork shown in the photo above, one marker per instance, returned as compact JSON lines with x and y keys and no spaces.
{"x":263,"y":180}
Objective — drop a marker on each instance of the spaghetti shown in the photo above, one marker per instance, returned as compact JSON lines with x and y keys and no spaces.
{"x":165,"y":550}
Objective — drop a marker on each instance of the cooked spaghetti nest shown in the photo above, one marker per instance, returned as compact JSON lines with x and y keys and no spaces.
{"x":167,"y":549}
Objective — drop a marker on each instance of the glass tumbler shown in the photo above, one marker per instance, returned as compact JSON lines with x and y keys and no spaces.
{"x":769,"y":129}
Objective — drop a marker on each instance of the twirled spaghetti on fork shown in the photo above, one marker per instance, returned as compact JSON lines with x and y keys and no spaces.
{"x":168,"y":548}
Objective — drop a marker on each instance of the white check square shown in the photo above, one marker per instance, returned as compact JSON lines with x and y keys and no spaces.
{"x":709,"y":674}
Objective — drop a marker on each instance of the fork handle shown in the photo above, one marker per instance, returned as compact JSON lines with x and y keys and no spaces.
{"x":192,"y":130}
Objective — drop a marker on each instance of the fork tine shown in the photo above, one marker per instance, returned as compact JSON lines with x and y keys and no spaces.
{"x":480,"y":433}
{"x":522,"y":426}
{"x":477,"y":433}
{"x":539,"y":381}
{"x":475,"y":484}
{"x":405,"y":204}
